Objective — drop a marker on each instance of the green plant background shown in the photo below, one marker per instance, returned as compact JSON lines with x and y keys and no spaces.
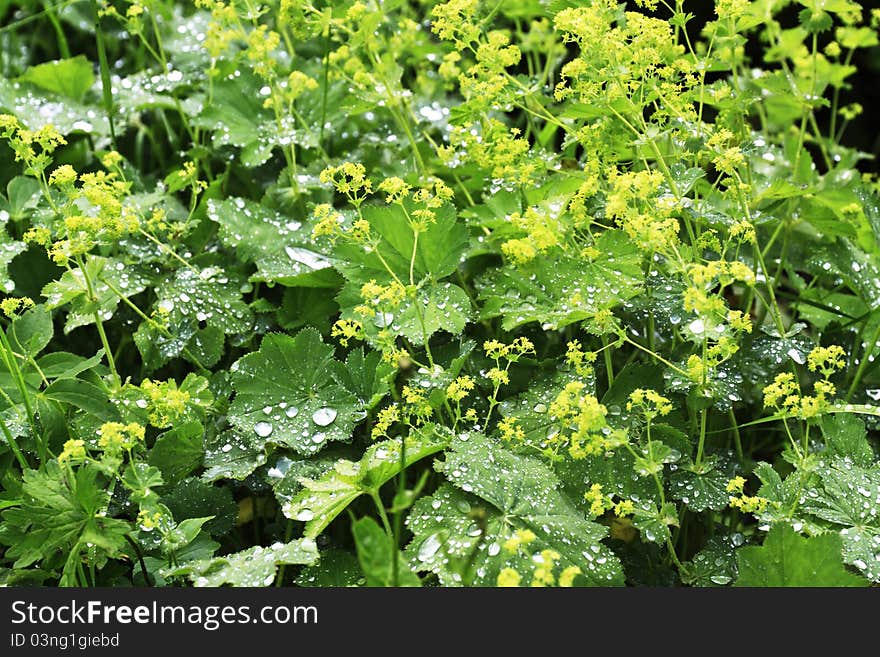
{"x":529,"y":292}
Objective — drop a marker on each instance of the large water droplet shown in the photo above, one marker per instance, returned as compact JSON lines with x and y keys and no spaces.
{"x":263,"y":429}
{"x":324,"y":416}
{"x":429,"y":547}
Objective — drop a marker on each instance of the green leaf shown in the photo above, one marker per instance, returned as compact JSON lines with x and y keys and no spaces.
{"x":368,"y":377}
{"x":572,"y":290}
{"x":24,"y":194}
{"x":374,"y":548}
{"x":430,"y":307}
{"x":850,"y":497}
{"x":714,"y":564}
{"x":284,"y":395}
{"x":255,"y":566}
{"x":788,"y":559}
{"x":192,"y":498}
{"x":321,"y":500}
{"x":336,"y":568}
{"x":433,"y":307}
{"x":281,"y":246}
{"x":71,"y":289}
{"x":307,"y":306}
{"x":58,"y":517}
{"x":36,"y":110}
{"x":459,"y":534}
{"x":232,"y":455}
{"x":31,"y":332}
{"x":702,"y":488}
{"x":65,"y":365}
{"x":237,"y":117}
{"x":82,"y":395}
{"x":209,"y":295}
{"x":846,"y":437}
{"x":65,"y":77}
{"x":178,"y":452}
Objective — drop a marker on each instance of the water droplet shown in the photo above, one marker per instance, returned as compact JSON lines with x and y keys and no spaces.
{"x":324,"y":416}
{"x":263,"y":429}
{"x":293,"y":411}
{"x":305,"y":515}
{"x":429,"y":547}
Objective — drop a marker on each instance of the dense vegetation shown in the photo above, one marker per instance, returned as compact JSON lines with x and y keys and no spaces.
{"x":535,"y":292}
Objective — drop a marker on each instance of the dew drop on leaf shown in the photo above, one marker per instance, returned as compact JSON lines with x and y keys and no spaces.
{"x":263,"y":429}
{"x":324,"y":416}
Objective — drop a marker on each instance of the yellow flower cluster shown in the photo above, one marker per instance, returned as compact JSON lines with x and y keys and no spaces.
{"x":583,"y":424}
{"x":579,"y":359}
{"x":115,"y":436}
{"x":743,"y":502}
{"x":633,"y":202}
{"x":493,"y":146}
{"x":543,"y":232}
{"x":497,"y":350}
{"x":347,"y":329}
{"x":73,"y":450}
{"x":15,"y":306}
{"x":459,"y":388}
{"x":519,"y":538}
{"x":649,"y":402}
{"x":827,"y":360}
{"x":166,"y":404}
{"x":599,"y":502}
{"x":349,"y":179}
{"x":32,"y":147}
{"x":385,"y":418}
{"x":510,"y":430}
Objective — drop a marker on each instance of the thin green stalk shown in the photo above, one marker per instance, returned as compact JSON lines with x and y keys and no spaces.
{"x":106,"y":84}
{"x":863,"y":363}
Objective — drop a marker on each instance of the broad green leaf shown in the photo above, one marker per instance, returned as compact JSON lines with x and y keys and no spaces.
{"x":36,"y":109}
{"x":434,"y":307}
{"x":307,"y":306}
{"x":84,"y":396}
{"x":321,"y":500}
{"x":255,"y":566}
{"x":285,"y":395}
{"x":374,"y":549}
{"x":572,"y":290}
{"x":23,"y":193}
{"x":179,"y":451}
{"x":65,"y":77}
{"x":237,"y":118}
{"x":702,"y":488}
{"x":57,"y":518}
{"x":715,"y":564}
{"x":65,"y":365}
{"x":71,"y":288}
{"x":850,"y":497}
{"x":208,"y":295}
{"x":192,"y":498}
{"x":232,"y":455}
{"x":846,"y":437}
{"x":336,"y":568}
{"x":281,"y":246}
{"x":430,"y":305}
{"x":494,"y":493}
{"x":31,"y":332}
{"x":437,"y":253}
{"x":788,"y":559}
{"x":368,"y":377}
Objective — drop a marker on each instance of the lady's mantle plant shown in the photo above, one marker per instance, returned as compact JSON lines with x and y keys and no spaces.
{"x":463,"y":294}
